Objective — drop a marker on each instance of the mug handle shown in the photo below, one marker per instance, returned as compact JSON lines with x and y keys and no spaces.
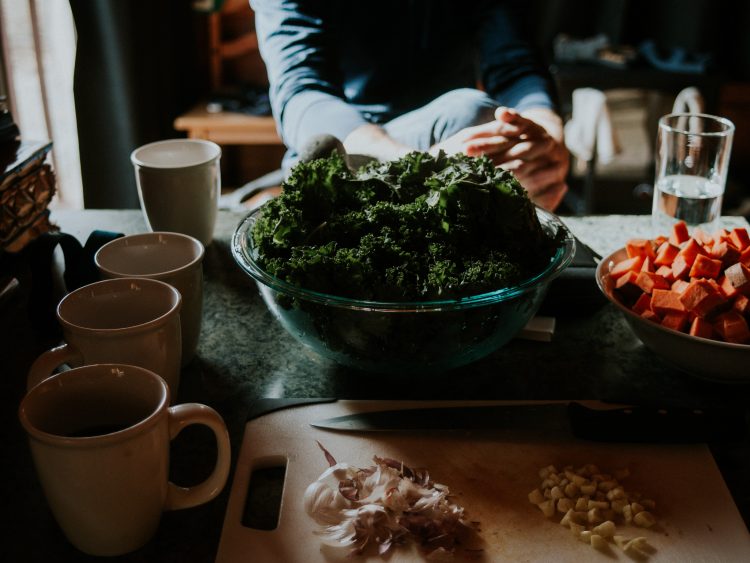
{"x":184,"y":415}
{"x":45,"y":365}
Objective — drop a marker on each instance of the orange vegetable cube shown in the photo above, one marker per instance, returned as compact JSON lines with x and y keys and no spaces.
{"x":643,"y":304}
{"x":640,"y":247}
{"x":678,"y":286}
{"x":740,"y":238}
{"x":745,"y":257}
{"x":725,"y":252}
{"x":705,"y":267}
{"x":675,"y":321}
{"x":647,"y":281}
{"x":741,"y":304}
{"x":679,"y":233}
{"x":629,"y":265}
{"x":727,"y":288}
{"x":739,"y":276}
{"x":665,"y":272}
{"x":732,"y":327}
{"x":690,"y":250}
{"x":701,"y":298}
{"x":680,"y":267}
{"x":651,"y":316}
{"x":701,"y":327}
{"x":665,"y":301}
{"x":666,"y":254}
{"x":702,"y":237}
{"x":659,"y":240}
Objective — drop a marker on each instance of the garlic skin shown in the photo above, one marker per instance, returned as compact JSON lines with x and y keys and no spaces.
{"x":384,"y":505}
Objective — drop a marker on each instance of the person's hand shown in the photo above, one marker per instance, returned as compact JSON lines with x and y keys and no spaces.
{"x":492,"y":139}
{"x":538,"y":158}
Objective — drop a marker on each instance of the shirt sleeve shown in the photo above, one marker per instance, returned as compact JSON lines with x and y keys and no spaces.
{"x":305,"y":89}
{"x":510,"y":69}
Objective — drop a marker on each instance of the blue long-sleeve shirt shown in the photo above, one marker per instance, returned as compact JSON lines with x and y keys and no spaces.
{"x":334,"y":65}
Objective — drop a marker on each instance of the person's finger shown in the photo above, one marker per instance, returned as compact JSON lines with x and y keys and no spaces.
{"x":512,"y":117}
{"x":531,"y":150}
{"x":489,"y":146}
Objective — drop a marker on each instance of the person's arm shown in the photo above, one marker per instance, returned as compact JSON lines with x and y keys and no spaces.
{"x":305,"y":90}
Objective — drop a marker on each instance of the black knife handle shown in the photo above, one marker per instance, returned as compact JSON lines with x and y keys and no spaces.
{"x":663,"y":425}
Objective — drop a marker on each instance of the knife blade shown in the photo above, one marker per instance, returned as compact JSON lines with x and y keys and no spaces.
{"x":608,"y":424}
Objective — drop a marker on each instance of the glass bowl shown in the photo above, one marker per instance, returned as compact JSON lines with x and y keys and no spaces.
{"x":403,"y":337}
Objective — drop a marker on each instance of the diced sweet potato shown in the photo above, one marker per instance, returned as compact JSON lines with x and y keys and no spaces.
{"x":665,"y":301}
{"x":679,"y":233}
{"x":642,"y":304}
{"x":640,"y":247}
{"x":740,"y":238}
{"x":651,"y":316}
{"x":666,"y":254}
{"x":745,"y":257}
{"x":704,"y":267}
{"x":648,"y":281}
{"x":675,"y":321}
{"x":732,"y":327}
{"x":691,"y":250}
{"x":727,"y":288}
{"x":741,"y":304}
{"x":725,"y":252}
{"x":680,"y":267}
{"x":678,"y":286}
{"x":665,"y":272}
{"x":702,"y":298}
{"x":701,"y":327}
{"x":630,"y":265}
{"x":659,"y":240}
{"x":739,"y":276}
{"x":702,"y":237}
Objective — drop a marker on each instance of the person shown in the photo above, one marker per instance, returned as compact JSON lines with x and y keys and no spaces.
{"x":393,"y":76}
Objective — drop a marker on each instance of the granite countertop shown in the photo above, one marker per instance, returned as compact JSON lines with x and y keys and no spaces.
{"x":244,"y":354}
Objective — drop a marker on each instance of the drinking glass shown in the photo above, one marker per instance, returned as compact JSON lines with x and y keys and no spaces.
{"x":692,"y":160}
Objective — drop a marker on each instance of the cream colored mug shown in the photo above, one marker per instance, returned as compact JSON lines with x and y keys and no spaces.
{"x":179,"y":183}
{"x":127,"y":320}
{"x":173,"y":258}
{"x":99,"y":436}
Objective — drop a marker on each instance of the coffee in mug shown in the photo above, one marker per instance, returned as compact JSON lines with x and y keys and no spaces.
{"x":99,"y":436}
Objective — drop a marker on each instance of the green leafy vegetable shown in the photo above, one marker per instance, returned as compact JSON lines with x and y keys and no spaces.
{"x":417,"y":228}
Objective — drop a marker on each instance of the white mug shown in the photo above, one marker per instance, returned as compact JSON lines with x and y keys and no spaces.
{"x":173,"y":258}
{"x":99,"y":436}
{"x":179,"y":183}
{"x":127,"y":320}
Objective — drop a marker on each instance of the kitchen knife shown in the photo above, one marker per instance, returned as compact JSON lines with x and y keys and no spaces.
{"x":607,"y":424}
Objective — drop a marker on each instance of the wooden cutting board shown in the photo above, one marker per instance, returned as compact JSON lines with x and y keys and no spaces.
{"x":491,"y":474}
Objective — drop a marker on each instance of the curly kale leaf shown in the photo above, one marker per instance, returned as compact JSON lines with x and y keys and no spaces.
{"x":421,"y":227}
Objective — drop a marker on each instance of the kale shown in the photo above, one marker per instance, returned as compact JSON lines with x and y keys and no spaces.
{"x":418,"y":228}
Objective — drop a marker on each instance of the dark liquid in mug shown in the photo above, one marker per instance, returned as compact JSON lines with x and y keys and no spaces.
{"x":98,"y":430}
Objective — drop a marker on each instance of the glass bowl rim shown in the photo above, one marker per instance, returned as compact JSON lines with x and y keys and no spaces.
{"x":242,"y":252}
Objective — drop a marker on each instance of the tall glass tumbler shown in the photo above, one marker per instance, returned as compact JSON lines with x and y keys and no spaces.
{"x":692,"y":160}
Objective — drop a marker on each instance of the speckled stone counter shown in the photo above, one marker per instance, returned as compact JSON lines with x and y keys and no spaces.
{"x":244,"y":354}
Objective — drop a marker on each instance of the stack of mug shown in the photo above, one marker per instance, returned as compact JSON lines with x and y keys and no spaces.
{"x":99,"y":433}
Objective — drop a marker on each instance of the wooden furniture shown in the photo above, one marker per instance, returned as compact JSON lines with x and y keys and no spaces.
{"x":228,"y":128}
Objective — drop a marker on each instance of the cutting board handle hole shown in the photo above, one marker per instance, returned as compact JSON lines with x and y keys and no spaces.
{"x":263,"y":500}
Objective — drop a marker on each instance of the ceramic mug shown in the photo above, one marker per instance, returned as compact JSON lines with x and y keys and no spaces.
{"x":99,"y":436}
{"x":173,"y":258}
{"x":127,"y":320}
{"x":179,"y":183}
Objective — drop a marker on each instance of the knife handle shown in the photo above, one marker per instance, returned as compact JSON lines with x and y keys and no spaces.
{"x":657,"y":425}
